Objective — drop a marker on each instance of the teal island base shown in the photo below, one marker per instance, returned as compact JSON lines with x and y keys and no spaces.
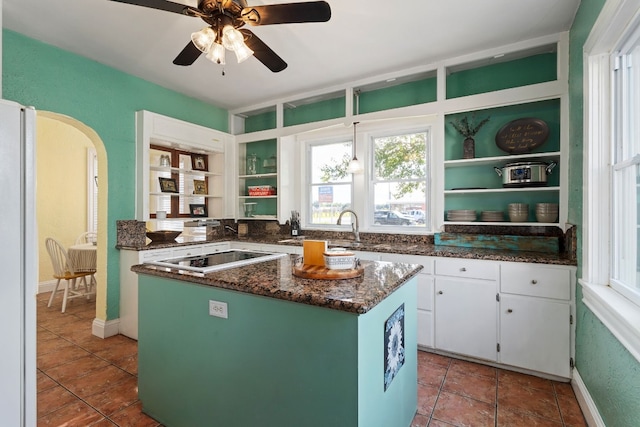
{"x":272,"y":362}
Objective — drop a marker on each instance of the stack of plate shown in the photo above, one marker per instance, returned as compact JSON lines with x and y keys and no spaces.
{"x":546,"y":212}
{"x":461,"y":215}
{"x":492,"y":216}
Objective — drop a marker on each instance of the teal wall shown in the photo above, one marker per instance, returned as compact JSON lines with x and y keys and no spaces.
{"x":51,"y":79}
{"x":504,"y":75}
{"x":321,"y":110}
{"x":610,"y":372}
{"x":402,"y":95}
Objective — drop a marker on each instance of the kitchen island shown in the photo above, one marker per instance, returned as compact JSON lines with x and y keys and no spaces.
{"x":290,"y":351}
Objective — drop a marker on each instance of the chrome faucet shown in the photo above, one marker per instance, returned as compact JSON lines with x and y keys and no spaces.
{"x":354,"y":225}
{"x":233,"y":230}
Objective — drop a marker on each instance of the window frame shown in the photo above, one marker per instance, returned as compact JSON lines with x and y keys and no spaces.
{"x":361,"y":186}
{"x":370,"y":208}
{"x":617,"y":312}
{"x":335,"y":138}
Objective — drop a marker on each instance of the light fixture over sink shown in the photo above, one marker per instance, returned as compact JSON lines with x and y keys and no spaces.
{"x":354,"y":164}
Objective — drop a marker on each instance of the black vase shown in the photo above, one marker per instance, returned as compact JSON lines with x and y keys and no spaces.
{"x":469,"y":148}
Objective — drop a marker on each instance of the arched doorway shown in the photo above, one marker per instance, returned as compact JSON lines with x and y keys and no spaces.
{"x":51,"y":129}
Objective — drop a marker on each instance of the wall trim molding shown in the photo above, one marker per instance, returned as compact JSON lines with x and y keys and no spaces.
{"x":46,"y":286}
{"x":105,"y":328}
{"x":588,"y":406}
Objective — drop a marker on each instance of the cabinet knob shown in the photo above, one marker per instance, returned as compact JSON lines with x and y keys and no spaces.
{"x":509,"y":310}
{"x":463,"y":269}
{"x":440,"y":292}
{"x":534,"y":282}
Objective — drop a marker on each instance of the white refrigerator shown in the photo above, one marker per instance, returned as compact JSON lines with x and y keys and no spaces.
{"x":18,"y":266}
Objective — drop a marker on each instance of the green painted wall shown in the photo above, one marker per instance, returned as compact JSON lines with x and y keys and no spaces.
{"x":403,"y":95}
{"x":322,"y":110}
{"x":259,"y":122}
{"x":104,"y":99}
{"x":609,"y":371}
{"x":520,"y":72}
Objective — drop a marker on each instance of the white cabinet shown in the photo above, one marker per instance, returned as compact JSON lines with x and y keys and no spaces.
{"x":534,"y":334}
{"x":517,"y":314}
{"x":536,"y":303}
{"x":425,"y":330}
{"x":128,"y":325}
{"x":466,"y":316}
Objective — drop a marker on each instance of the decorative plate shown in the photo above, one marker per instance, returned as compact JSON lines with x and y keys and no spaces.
{"x":522,"y":135}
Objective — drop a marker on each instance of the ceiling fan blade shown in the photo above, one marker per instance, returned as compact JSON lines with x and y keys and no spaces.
{"x":188,"y":55}
{"x":157,"y":4}
{"x":262,"y":52}
{"x":287,"y":13}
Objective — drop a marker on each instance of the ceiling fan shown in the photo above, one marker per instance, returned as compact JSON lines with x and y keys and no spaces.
{"x":225,"y":17}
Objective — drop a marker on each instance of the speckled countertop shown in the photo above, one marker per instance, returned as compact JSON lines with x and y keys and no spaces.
{"x":275,"y":279}
{"x":409,"y":248}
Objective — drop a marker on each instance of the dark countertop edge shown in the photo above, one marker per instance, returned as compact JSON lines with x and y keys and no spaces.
{"x":334,"y":304}
{"x":430,"y":250}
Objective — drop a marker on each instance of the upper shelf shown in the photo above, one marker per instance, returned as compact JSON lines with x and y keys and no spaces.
{"x":499,"y":160}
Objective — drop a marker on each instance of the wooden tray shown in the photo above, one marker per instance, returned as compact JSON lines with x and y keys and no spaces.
{"x":320,"y":272}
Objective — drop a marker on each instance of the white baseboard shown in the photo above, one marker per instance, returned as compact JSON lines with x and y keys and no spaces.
{"x":46,"y":286}
{"x":588,"y":406}
{"x":105,"y":329}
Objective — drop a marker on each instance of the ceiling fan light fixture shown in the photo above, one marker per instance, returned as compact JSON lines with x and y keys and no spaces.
{"x":231,"y":38}
{"x":243,"y":52}
{"x":203,"y":39}
{"x":216,"y":53}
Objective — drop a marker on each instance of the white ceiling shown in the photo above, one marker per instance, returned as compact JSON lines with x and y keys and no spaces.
{"x":363,"y":38}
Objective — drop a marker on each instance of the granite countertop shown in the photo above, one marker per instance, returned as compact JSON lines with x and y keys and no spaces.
{"x":275,"y":279}
{"x":421,"y":249}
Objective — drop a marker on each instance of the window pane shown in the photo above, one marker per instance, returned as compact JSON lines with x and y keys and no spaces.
{"x":327,"y":201}
{"x":400,"y":180}
{"x":330,"y":183}
{"x":400,"y":157}
{"x":627,"y":227}
{"x":329,"y":162}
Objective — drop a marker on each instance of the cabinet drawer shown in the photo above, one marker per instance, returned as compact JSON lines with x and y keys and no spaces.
{"x":535,"y":280}
{"x":472,"y":269}
{"x":154,"y":255}
{"x":186,"y":251}
{"x":425,"y":292}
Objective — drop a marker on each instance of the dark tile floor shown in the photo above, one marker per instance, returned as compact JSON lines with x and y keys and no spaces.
{"x":87,"y":381}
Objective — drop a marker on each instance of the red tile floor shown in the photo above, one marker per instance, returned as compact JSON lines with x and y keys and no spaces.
{"x":87,"y":381}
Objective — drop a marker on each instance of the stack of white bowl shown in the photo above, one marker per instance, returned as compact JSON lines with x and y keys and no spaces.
{"x":461,"y":215}
{"x":518,"y":212}
{"x":547,"y":212}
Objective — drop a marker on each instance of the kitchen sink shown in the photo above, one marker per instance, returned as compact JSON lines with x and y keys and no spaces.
{"x":217,"y":261}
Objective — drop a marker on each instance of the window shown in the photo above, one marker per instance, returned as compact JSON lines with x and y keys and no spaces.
{"x":92,"y":190}
{"x":611,"y":161}
{"x":399,"y":179}
{"x":330,"y":184}
{"x":625,"y":177}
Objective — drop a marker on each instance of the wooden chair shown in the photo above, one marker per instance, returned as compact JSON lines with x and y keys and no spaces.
{"x":64,"y":270}
{"x":87,"y":237}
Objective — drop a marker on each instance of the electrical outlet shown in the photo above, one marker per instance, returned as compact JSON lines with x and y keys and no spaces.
{"x":218,"y":309}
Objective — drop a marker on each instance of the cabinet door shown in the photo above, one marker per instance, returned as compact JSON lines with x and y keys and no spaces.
{"x":466,"y":317}
{"x":535,"y":334}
